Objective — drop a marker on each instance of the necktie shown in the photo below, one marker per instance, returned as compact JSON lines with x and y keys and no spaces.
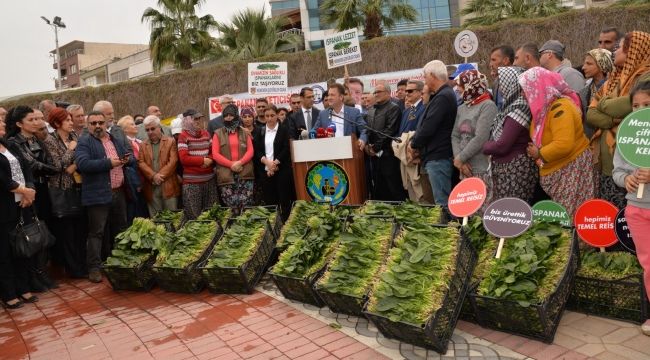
{"x":308,"y":119}
{"x":411,"y":116}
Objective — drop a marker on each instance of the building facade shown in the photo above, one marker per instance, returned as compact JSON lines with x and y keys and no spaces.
{"x":78,"y":56}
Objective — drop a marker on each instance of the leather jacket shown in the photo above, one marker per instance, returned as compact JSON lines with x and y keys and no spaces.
{"x":35,"y":155}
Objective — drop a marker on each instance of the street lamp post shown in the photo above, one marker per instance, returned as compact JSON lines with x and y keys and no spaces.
{"x":56,"y":24}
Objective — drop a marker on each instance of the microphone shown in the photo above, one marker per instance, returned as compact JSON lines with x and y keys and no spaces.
{"x":304,"y":135}
{"x":329,"y":111}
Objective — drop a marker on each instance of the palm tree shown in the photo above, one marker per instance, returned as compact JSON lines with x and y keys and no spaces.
{"x":492,"y":11}
{"x":373,"y":15}
{"x":251,"y":35}
{"x":178,"y":35}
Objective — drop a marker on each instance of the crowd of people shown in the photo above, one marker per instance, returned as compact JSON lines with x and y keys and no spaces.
{"x":541,"y":129}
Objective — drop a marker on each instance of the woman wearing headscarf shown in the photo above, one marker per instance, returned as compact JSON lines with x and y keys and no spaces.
{"x":597,"y":64}
{"x":514,"y":174}
{"x":248,"y":119}
{"x":199,"y":185}
{"x":232,"y":150}
{"x":559,"y":146}
{"x":610,"y":106}
{"x":474,"y":120}
{"x":70,"y":231}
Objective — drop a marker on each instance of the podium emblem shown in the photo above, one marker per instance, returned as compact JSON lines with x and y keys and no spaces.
{"x":327,"y":182}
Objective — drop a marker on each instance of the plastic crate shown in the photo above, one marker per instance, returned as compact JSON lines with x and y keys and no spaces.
{"x":188,"y":279}
{"x":621,"y":299}
{"x":299,"y":289}
{"x":348,"y":304}
{"x":537,"y":321}
{"x":437,"y":331}
{"x":140,"y":278}
{"x":223,"y":222}
{"x":242,"y":279}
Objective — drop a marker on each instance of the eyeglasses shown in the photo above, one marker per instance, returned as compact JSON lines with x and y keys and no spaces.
{"x":408,"y":91}
{"x":97,"y":123}
{"x":150,"y":129}
{"x":379,"y":92}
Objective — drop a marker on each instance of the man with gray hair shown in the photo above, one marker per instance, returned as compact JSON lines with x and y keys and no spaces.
{"x":217,"y":122}
{"x":384,"y":117}
{"x":157,"y":163}
{"x":78,"y":118}
{"x":551,"y":57}
{"x":106,"y":108}
{"x":432,"y":139}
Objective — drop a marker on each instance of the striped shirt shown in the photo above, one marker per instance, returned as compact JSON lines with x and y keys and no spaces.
{"x":191,"y":152}
{"x":117,"y":174}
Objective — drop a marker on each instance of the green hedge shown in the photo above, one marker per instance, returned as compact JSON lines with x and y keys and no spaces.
{"x":177,"y":91}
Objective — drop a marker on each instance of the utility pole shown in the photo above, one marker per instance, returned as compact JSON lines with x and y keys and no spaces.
{"x":56,"y":24}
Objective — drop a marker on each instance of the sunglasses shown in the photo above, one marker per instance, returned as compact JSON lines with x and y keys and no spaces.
{"x":96,"y":123}
{"x":379,"y":91}
{"x":408,"y":91}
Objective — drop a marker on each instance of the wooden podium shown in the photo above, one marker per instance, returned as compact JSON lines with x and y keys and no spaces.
{"x":343,"y":151}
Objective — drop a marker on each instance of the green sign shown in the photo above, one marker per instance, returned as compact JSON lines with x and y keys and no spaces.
{"x":633,"y":138}
{"x":547,"y":210}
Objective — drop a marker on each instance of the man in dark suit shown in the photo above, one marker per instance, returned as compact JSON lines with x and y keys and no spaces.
{"x":354,"y":124}
{"x":305,"y":116}
{"x":433,"y":134}
{"x":413,"y":113}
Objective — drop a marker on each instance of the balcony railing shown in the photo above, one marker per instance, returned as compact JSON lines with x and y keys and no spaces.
{"x":292,"y":31}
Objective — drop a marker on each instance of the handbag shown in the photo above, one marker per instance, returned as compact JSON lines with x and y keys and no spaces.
{"x":28,"y":239}
{"x":65,"y":202}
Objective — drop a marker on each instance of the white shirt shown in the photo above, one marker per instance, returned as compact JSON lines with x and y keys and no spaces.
{"x":338,"y":121}
{"x":311,"y":114}
{"x":269,"y":138}
{"x":16,"y":172}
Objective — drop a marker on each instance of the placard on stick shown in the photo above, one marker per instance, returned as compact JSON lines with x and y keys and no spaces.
{"x":594,"y":221}
{"x":466,"y":44}
{"x":342,"y":48}
{"x":633,"y":141}
{"x":623,"y":232}
{"x":506,"y":218}
{"x":268,"y":78}
{"x":550,"y":211}
{"x":467,"y":197}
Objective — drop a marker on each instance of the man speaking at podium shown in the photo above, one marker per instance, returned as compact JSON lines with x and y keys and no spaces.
{"x":348,"y":120}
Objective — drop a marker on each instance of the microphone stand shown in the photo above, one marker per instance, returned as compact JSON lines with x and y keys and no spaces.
{"x":365,"y":126}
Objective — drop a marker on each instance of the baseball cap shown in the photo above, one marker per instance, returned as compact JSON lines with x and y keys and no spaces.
{"x":460,"y":69}
{"x":193,"y":113}
{"x":554,"y":46}
{"x":176,"y":126}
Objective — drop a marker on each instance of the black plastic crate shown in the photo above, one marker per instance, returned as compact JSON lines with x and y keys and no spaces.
{"x":223,"y":222}
{"x":537,"y":321}
{"x":187,"y":279}
{"x":622,"y":299}
{"x":437,"y":331}
{"x":140,"y":278}
{"x":349,"y":304}
{"x":242,"y":279}
{"x":299,"y":289}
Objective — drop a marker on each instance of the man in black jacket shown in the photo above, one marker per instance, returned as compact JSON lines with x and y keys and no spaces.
{"x":432,"y":138}
{"x":305,"y":116}
{"x":384,"y":117}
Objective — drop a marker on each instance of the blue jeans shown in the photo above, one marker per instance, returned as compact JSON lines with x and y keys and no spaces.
{"x":439,"y":172}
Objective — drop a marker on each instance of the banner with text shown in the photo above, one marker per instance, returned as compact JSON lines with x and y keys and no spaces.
{"x":267,"y":78}
{"x":342,"y":48}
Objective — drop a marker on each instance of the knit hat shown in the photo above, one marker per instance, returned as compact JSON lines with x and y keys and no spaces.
{"x":247,"y":111}
{"x":57,"y":116}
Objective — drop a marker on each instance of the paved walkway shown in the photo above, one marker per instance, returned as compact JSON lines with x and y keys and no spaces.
{"x":81,"y":320}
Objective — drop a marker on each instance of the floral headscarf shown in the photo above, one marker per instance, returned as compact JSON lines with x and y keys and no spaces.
{"x":637,"y":62}
{"x":514,"y":104}
{"x":189,"y":126}
{"x":542,"y":87}
{"x":603,"y":59}
{"x":475,"y":86}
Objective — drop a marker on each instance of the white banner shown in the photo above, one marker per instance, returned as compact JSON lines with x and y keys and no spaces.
{"x":267,"y":78}
{"x":342,"y":48}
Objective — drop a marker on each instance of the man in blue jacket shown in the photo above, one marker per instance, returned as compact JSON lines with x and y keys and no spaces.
{"x":101,"y":161}
{"x":355,"y":123}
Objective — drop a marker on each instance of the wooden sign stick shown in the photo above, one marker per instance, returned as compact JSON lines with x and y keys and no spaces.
{"x":639,"y":191}
{"x":500,"y":248}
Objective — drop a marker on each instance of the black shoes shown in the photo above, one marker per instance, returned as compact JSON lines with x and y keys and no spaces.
{"x":16,"y":305}
{"x":95,"y":276}
{"x":30,"y":299}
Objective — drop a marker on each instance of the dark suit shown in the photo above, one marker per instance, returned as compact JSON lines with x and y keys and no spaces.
{"x":297,"y":122}
{"x":351,"y":114}
{"x":277,"y":189}
{"x":407,"y":125}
